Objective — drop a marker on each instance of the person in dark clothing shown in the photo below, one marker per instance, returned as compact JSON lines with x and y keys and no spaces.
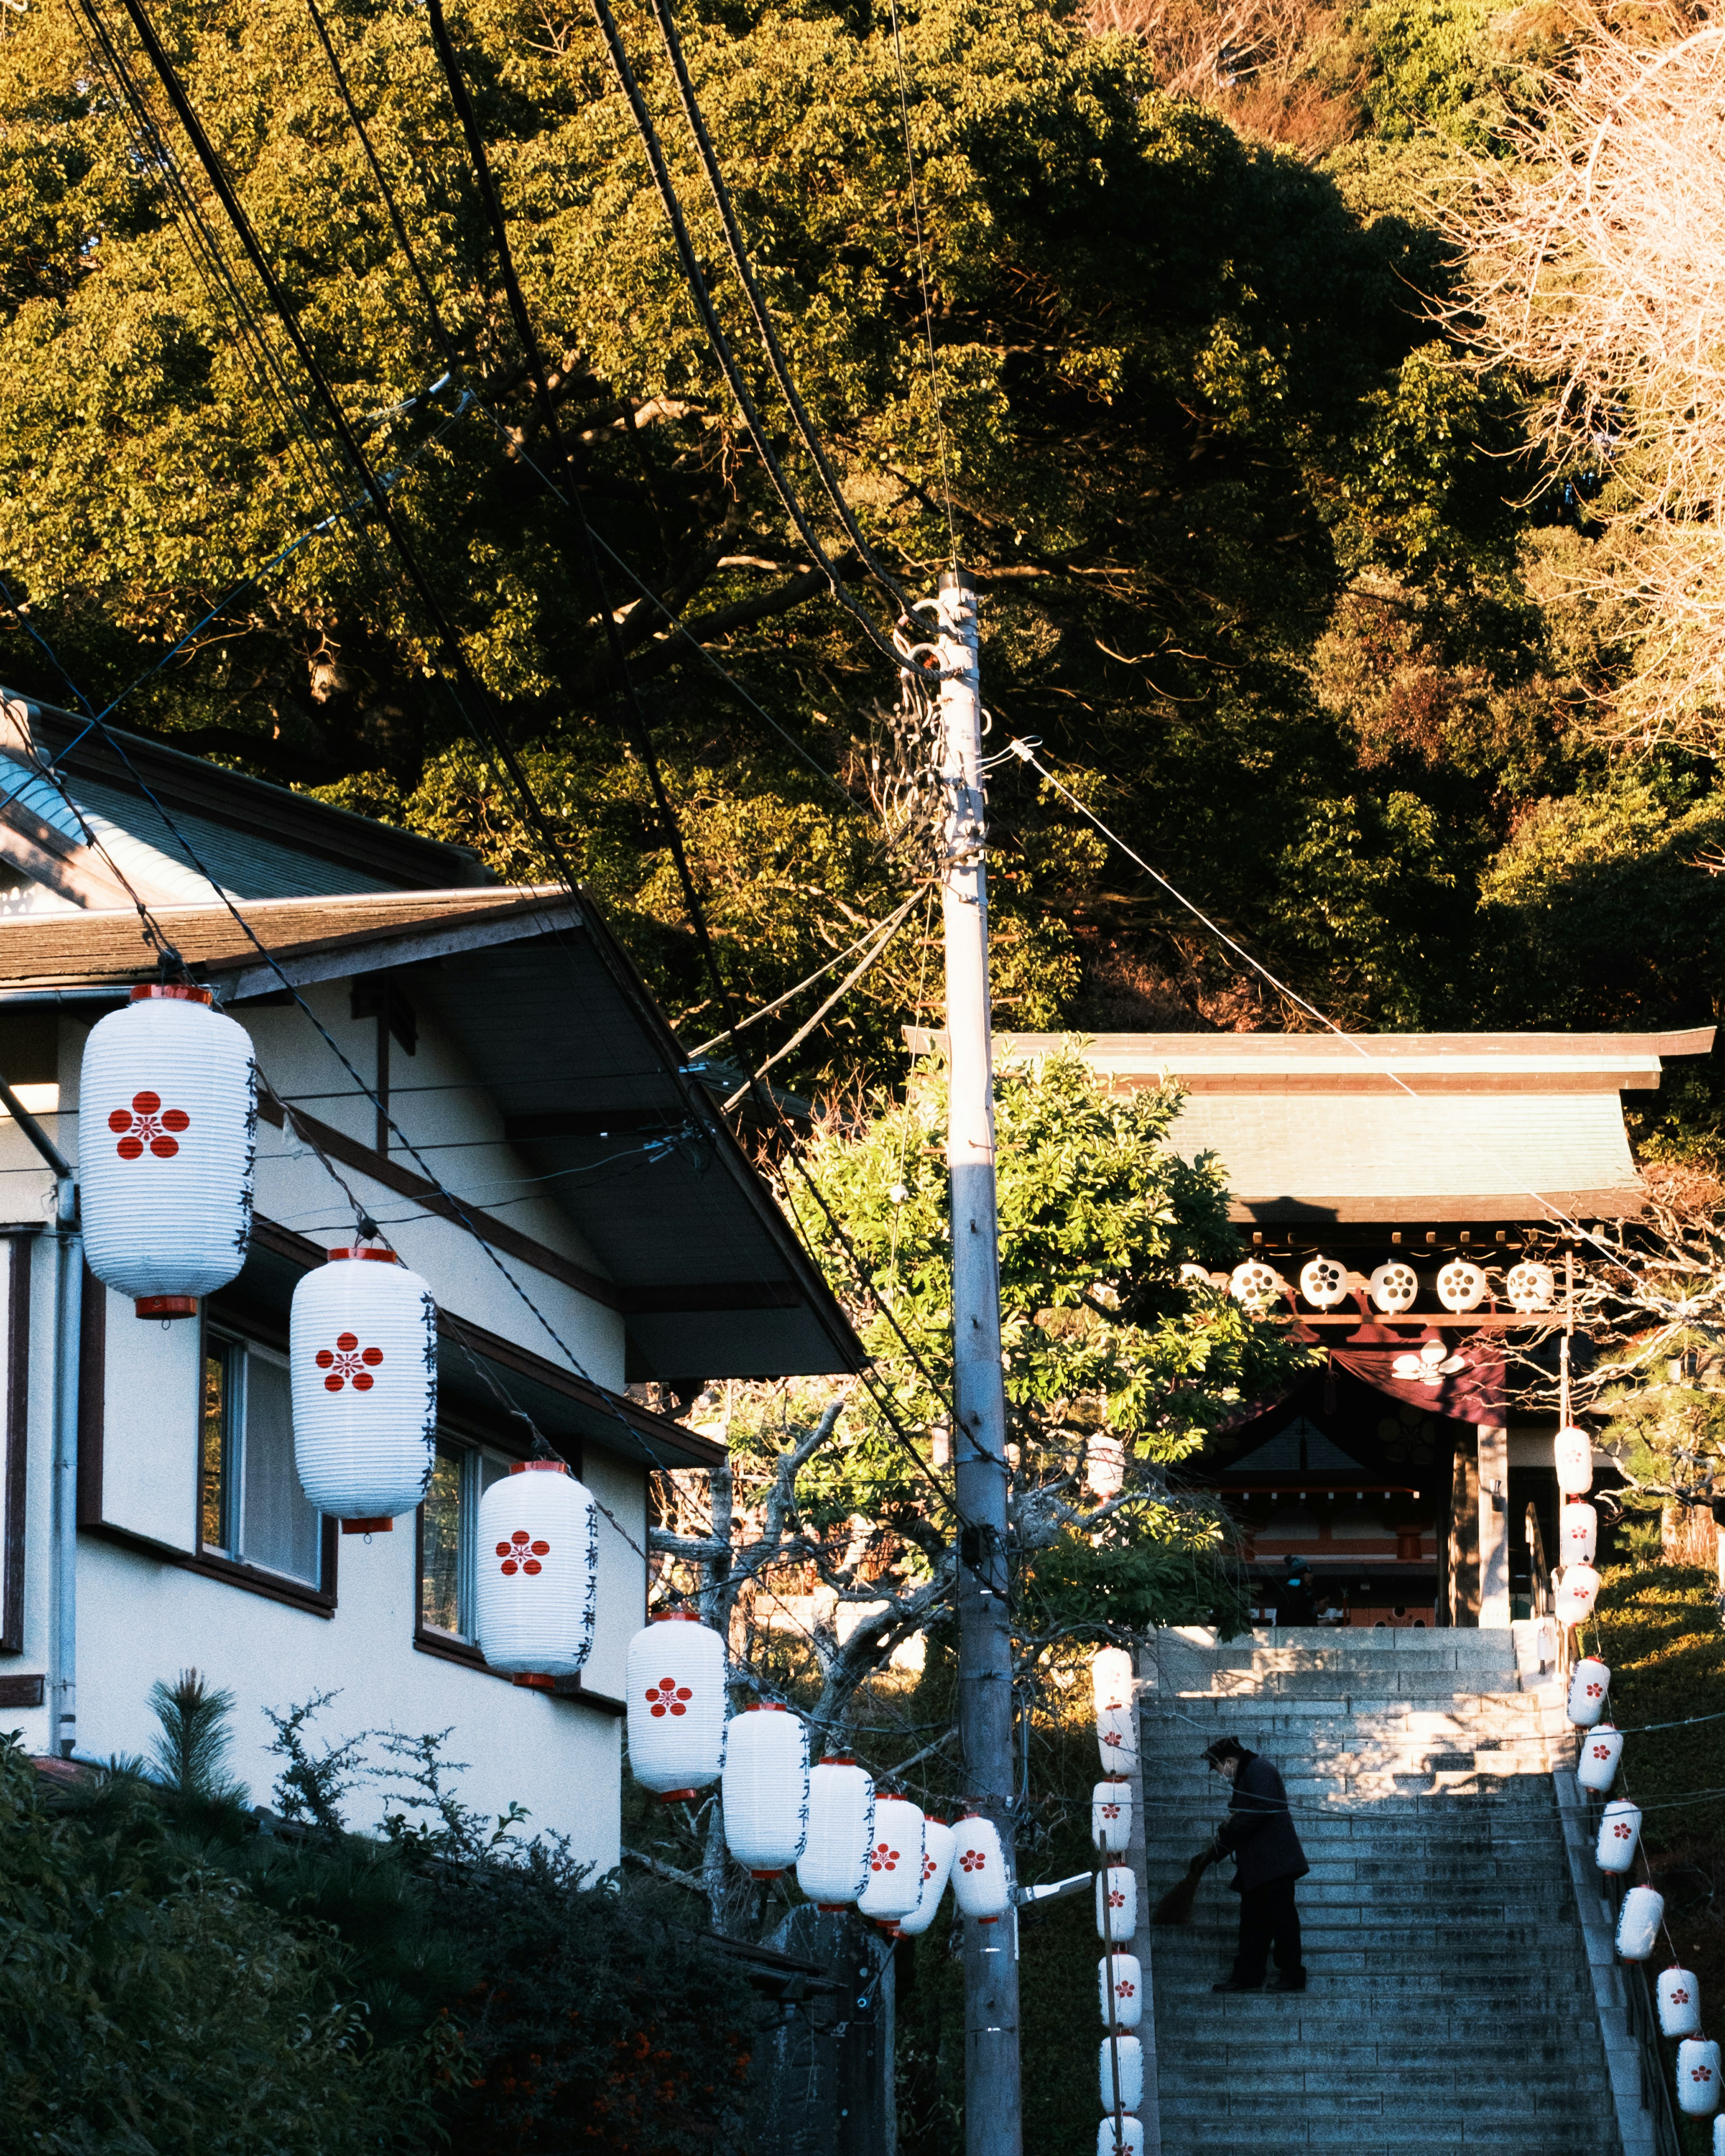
{"x":1294,"y":1603}
{"x":1259,"y":1835}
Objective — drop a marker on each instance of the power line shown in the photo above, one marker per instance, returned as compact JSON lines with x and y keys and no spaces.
{"x":779,"y":365}
{"x":720,"y":343}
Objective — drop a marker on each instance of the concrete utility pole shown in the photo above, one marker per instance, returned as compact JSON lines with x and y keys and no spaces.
{"x":991,"y":2114}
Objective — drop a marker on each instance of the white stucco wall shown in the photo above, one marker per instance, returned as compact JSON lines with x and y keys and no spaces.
{"x":141,"y":1618}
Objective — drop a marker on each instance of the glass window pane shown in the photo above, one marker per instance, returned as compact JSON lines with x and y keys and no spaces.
{"x":213,"y":1466}
{"x":277,"y":1529}
{"x":440,"y":1577}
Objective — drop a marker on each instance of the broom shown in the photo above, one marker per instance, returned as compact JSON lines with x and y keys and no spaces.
{"x":1175,"y":1906}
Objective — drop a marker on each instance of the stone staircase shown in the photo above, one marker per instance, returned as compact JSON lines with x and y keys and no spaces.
{"x":1450,"y":2005}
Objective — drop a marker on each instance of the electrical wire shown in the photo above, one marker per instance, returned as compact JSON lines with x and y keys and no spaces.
{"x":934,"y":376}
{"x":1025,"y":753}
{"x":720,"y":343}
{"x":776,"y":359}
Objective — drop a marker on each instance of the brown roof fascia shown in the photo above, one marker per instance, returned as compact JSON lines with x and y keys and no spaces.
{"x":244,"y":803}
{"x":1559,"y":1208}
{"x":106,"y":949}
{"x":656,"y":1301}
{"x":685,"y":1448}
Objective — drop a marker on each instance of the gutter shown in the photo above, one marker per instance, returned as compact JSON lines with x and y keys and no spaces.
{"x":63,"y":1512}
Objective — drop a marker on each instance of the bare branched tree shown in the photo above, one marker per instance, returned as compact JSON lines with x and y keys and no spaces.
{"x":1595,"y":263}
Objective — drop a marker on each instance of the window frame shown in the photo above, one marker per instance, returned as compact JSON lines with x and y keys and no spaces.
{"x":247,"y":1331}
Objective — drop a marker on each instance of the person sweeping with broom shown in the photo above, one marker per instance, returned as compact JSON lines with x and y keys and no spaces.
{"x":1259,"y":1835}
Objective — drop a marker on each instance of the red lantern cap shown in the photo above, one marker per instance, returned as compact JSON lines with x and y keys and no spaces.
{"x":839,"y":1759}
{"x":545,"y":1466}
{"x":767,"y":1706}
{"x":176,"y":992}
{"x":678,"y":1617}
{"x":166,"y":1306}
{"x":356,"y":1250}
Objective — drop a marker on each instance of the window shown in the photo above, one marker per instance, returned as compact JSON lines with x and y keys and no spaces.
{"x":252,"y":1509}
{"x":449,"y":1520}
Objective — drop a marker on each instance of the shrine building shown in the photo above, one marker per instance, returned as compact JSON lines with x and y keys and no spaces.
{"x":1400,"y":1472}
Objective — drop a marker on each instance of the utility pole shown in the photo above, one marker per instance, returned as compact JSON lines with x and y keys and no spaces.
{"x":991,"y":2112}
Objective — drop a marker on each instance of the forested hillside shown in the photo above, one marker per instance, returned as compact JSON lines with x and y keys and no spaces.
{"x":1266,"y":568}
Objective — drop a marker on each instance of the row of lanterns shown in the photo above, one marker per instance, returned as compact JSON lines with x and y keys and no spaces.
{"x":167,"y":1108}
{"x":1394,"y":1287}
{"x":1120,"y":1976}
{"x":1578,"y":1527}
{"x":1642,"y":1914}
{"x":849,"y":1843}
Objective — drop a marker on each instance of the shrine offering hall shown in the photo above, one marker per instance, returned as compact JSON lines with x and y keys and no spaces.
{"x":1410,"y":1474}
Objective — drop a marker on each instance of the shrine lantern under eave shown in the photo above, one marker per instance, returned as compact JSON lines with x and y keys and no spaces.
{"x":1590,"y":1686}
{"x":834,"y":1862}
{"x":1601,"y":1749}
{"x":1131,"y":2072}
{"x":980,"y":1885}
{"x":1697,"y":2077}
{"x":894,"y":1886}
{"x":1679,"y":1996}
{"x":167,"y":1121}
{"x":938,"y":1843}
{"x":538,"y":1550}
{"x":675,"y":1684}
{"x":362,"y":1367}
{"x":764,"y":1789}
{"x":1111,"y":1815}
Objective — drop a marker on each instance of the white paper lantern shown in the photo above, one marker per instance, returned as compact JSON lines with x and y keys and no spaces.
{"x":1638,"y":1923}
{"x":1131,"y":2072}
{"x":894,"y":1887}
{"x":1697,"y":2077}
{"x":1105,"y":1467}
{"x":1119,"y":1883}
{"x":1578,"y":1533}
{"x":167,"y":1119}
{"x":1127,"y":1987}
{"x":1572,"y":1454}
{"x":1529,"y":1286}
{"x":1461,"y":1285}
{"x":1601,"y":1749}
{"x":980,"y":1882}
{"x":1719,"y":2136}
{"x":835,"y":1860}
{"x":764,"y":1789}
{"x":1589,"y":1683}
{"x":1393,"y":1286}
{"x":675,"y":1684}
{"x":537,"y":1539}
{"x":1578,"y":1590}
{"x":362,"y":1365}
{"x":1110,"y":1671}
{"x":1123,"y":2137}
{"x":1323,"y":1282}
{"x":1111,"y":1815}
{"x":938,"y":1843}
{"x":1620,"y":1834}
{"x":1254,"y":1285}
{"x":1679,"y":1997}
